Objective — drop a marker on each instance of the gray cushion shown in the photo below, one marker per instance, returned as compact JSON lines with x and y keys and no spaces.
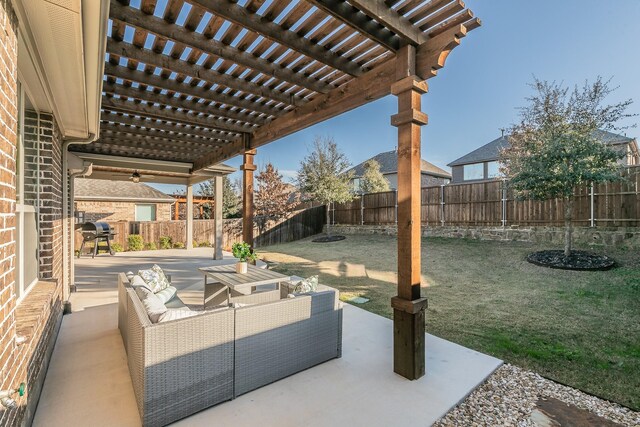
{"x":176,"y":302}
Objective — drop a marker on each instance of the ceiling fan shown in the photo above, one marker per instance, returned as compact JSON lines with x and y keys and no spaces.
{"x":136,"y":176}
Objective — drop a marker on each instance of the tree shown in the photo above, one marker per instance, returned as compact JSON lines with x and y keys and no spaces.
{"x":230,"y":198}
{"x":273,"y":199}
{"x":556,"y":146}
{"x":372,"y":180}
{"x":322,"y":176}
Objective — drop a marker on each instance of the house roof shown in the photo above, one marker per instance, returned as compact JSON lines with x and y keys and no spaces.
{"x":389,"y":164}
{"x":491,"y":151}
{"x":104,"y":190}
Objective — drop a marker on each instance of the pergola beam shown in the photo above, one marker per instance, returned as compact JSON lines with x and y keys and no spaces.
{"x":373,"y":18}
{"x":152,"y":133}
{"x":371,"y":86}
{"x":253,"y":22}
{"x":152,"y":143}
{"x":196,"y":91}
{"x":171,"y":115}
{"x":163,"y":29}
{"x":153,"y":124}
{"x":148,"y":57}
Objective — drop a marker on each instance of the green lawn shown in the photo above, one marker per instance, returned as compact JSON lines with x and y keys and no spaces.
{"x":578,"y":328}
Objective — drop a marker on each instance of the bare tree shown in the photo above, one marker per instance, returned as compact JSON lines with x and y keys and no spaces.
{"x":274,"y":198}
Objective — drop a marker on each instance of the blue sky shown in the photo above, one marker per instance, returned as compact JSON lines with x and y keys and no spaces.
{"x":485,"y":79}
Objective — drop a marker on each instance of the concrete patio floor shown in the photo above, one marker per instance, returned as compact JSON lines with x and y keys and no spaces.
{"x":88,"y":381}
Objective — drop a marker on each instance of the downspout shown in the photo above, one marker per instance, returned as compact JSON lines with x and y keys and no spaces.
{"x":67,"y":199}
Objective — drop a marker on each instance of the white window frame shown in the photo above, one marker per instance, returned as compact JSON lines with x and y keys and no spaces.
{"x":23,"y":290}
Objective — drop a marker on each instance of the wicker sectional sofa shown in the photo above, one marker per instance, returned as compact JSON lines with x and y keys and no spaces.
{"x":183,"y":366}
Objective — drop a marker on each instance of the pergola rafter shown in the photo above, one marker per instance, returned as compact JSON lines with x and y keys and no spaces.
{"x":206,"y":80}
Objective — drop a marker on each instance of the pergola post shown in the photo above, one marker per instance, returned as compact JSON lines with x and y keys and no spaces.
{"x":247,"y":196}
{"x":408,"y":306}
{"x":189,"y":217}
{"x":218,"y":221}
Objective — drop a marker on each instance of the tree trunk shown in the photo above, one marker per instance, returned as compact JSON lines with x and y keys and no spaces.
{"x":328,"y":212}
{"x":568,"y":225}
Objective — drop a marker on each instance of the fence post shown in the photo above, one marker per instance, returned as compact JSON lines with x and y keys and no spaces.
{"x":362,"y":209}
{"x":442,"y":205}
{"x":504,"y":203}
{"x":592,"y":219}
{"x":396,"y":212}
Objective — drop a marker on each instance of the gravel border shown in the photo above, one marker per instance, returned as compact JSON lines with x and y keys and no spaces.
{"x":509,"y":395}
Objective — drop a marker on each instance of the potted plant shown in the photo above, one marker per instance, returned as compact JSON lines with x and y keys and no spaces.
{"x":243,"y":252}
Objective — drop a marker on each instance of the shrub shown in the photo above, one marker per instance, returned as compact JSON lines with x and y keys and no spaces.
{"x":151,"y":246}
{"x":135,"y":242}
{"x":165,"y":242}
{"x":205,"y":245}
{"x":116,"y":247}
{"x":178,"y":245}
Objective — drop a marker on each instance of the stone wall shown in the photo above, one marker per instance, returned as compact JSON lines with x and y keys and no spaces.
{"x":583,"y":236}
{"x":108,"y":211}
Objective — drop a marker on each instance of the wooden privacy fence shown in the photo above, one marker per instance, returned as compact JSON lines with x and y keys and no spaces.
{"x":492,"y":203}
{"x":302,"y":224}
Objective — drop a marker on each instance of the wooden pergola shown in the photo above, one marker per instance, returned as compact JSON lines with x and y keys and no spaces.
{"x":205,"y":80}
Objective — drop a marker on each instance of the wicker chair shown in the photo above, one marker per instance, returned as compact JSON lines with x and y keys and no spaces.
{"x":183,"y":366}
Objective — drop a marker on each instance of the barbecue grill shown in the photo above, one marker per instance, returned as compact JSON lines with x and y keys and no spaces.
{"x":96,"y":232}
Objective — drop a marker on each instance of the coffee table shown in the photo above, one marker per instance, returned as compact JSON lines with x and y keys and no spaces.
{"x":221,"y":280}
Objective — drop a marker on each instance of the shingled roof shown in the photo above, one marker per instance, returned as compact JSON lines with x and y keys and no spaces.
{"x":104,"y":190}
{"x":389,"y":164}
{"x":491,"y":151}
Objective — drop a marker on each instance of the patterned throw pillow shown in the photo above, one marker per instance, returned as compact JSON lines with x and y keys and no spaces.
{"x":307,"y":285}
{"x":154,"y":278}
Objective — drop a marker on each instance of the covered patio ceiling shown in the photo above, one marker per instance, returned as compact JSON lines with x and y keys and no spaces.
{"x":201,"y":81}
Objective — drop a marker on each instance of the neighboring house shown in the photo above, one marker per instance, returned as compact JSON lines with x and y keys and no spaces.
{"x":482,"y":164}
{"x":431,"y":174}
{"x":101,"y":200}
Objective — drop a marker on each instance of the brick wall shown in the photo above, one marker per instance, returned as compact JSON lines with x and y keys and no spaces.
{"x":38,"y":315}
{"x":117,"y":211}
{"x":9,"y":368}
{"x":50,"y":206}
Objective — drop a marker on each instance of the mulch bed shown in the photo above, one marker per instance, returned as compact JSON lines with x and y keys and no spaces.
{"x":578,"y":260}
{"x":328,"y":239}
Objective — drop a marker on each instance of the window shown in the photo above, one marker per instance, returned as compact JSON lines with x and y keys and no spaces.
{"x":356,"y":185}
{"x":146,"y":212}
{"x":27,"y":189}
{"x":473,"y":171}
{"x":493,"y":170}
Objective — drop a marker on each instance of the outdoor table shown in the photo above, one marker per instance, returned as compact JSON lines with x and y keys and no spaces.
{"x":221,"y":280}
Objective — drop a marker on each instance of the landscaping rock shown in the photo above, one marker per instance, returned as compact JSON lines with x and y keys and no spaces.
{"x":510,"y":397}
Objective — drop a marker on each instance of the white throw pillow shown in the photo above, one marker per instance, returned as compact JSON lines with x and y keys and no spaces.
{"x":138,"y":281}
{"x":176,"y":313}
{"x":307,"y":285}
{"x":167,"y":294}
{"x":151,"y":302}
{"x":155,"y":278}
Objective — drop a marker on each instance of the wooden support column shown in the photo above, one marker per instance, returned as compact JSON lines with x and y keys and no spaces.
{"x":408,"y":306}
{"x":189,"y":217}
{"x":218,"y":221}
{"x":248,"y":167}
